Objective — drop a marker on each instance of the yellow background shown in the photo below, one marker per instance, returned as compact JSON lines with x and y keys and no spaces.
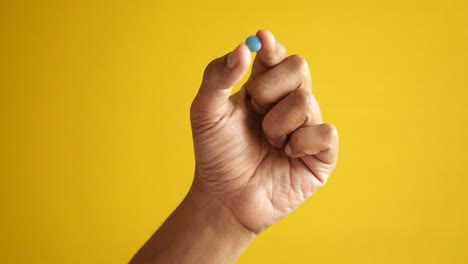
{"x":96,"y":144}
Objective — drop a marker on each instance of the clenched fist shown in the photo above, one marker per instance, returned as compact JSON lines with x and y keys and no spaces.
{"x":260,"y":153}
{"x":264,"y":150}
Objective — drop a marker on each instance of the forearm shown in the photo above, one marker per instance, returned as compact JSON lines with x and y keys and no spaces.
{"x":200,"y":230}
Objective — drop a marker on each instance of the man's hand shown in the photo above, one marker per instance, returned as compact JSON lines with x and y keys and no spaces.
{"x":259,"y":154}
{"x":264,"y":150}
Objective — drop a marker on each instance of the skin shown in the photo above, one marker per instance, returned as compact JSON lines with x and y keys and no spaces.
{"x":260,"y":154}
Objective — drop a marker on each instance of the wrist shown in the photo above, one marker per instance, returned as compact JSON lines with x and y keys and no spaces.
{"x":218,"y":217}
{"x":201,"y":230}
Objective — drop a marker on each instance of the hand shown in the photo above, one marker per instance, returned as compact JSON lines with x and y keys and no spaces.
{"x":263,"y":151}
{"x":259,"y":154}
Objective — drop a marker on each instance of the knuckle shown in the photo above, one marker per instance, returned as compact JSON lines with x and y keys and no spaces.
{"x":209,"y":68}
{"x":329,"y":130}
{"x":270,"y":58}
{"x":299,"y":63}
{"x":269,"y":125}
{"x":302,"y":99}
{"x":258,"y":90}
{"x":329,"y":134}
{"x":278,"y":54}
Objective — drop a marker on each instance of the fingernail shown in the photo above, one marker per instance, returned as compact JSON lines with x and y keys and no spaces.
{"x":287,"y":149}
{"x":232,"y":60}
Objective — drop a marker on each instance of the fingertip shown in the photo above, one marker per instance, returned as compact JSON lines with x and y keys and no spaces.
{"x":244,"y":53}
{"x":224,"y":72}
{"x":271,"y":53}
{"x":239,"y":57}
{"x":289,"y":152}
{"x":268,"y":40}
{"x":265,"y":34}
{"x":256,"y":108}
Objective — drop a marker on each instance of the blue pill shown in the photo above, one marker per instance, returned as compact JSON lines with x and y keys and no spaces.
{"x":254,"y":43}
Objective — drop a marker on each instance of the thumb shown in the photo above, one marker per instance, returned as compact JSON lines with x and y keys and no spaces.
{"x":212,"y":100}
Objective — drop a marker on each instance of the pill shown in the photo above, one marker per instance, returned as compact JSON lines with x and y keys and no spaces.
{"x":254,"y":43}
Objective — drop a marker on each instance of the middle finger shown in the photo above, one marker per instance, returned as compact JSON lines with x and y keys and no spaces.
{"x":276,"y":83}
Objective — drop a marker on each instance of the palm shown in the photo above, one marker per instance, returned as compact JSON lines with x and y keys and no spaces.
{"x":235,"y":162}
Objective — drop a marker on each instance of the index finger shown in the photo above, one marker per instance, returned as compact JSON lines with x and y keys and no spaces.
{"x":271,"y":53}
